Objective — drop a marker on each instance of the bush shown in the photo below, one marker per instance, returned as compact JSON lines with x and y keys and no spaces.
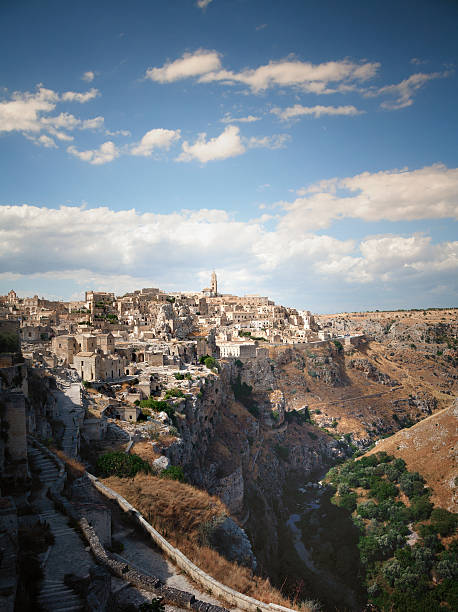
{"x":210,"y":363}
{"x":173,"y":472}
{"x":282,"y":452}
{"x":421,"y":508}
{"x":174,"y":392}
{"x":382,"y":489}
{"x":443,"y":521}
{"x":9,"y":342}
{"x":412,"y":484}
{"x":347,"y":501}
{"x":338,"y":345}
{"x":121,"y":465}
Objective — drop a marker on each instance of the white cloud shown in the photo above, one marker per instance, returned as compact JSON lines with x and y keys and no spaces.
{"x":117,"y":133}
{"x":122,"y":250}
{"x":29,"y":113}
{"x":294,"y":73}
{"x":317,"y":111}
{"x":227,"y":144}
{"x":404,"y":91}
{"x":277,"y":141}
{"x":82,"y":98}
{"x":22,"y":112}
{"x":248,"y":119}
{"x":107,"y":152}
{"x":314,"y":78}
{"x":395,"y":195}
{"x":390,"y":258}
{"x":203,"y":3}
{"x":88,"y":76}
{"x":189,"y":65}
{"x":95,"y":123}
{"x":155,"y":139}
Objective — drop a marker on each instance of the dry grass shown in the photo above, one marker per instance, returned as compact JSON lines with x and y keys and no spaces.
{"x":145,"y":451}
{"x":74,"y":468}
{"x":177,"y":511}
{"x":429,"y":448}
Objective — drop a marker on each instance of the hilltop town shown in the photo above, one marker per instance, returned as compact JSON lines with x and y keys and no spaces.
{"x":248,"y":401}
{"x":150,"y":338}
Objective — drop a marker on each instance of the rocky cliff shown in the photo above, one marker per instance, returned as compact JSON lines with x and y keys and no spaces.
{"x":237,"y":441}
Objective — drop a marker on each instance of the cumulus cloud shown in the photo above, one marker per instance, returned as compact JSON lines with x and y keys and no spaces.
{"x":29,"y":113}
{"x":124,"y":250}
{"x":390,"y":257}
{"x":404,"y":91}
{"x":22,"y":112}
{"x":107,"y":152}
{"x":248,"y":119}
{"x":313,"y":78}
{"x":327,"y":77}
{"x":194,"y":64}
{"x":202,"y":4}
{"x":82,"y":98}
{"x":277,"y":141}
{"x":155,"y":139}
{"x":227,"y":144}
{"x":88,"y":76}
{"x":293,"y":112}
{"x":394,"y":195}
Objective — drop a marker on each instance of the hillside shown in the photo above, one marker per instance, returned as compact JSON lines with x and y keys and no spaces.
{"x":430,"y":448}
{"x":401,"y":370}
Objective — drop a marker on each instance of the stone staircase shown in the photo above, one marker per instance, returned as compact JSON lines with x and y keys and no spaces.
{"x":67,"y":555}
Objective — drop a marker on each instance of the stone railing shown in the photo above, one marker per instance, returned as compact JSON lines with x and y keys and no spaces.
{"x":219,"y":590}
{"x":121,"y":569}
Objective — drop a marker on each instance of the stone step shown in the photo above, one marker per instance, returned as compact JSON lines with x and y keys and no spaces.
{"x":59,"y":598}
{"x":59,"y":595}
{"x":58,"y":587}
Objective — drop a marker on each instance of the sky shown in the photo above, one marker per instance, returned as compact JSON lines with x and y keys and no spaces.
{"x":304,"y":149}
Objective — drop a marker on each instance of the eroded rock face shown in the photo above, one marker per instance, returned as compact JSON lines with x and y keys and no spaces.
{"x":230,"y":489}
{"x":243,"y":459}
{"x":224,"y":535}
{"x":371,"y":372}
{"x":277,"y":402}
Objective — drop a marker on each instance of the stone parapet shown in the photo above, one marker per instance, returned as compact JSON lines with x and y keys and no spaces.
{"x":217,"y":589}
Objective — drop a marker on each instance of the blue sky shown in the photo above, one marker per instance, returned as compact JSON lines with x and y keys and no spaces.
{"x":305,"y":150}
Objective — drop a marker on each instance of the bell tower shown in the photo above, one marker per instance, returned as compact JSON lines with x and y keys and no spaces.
{"x":214,"y":284}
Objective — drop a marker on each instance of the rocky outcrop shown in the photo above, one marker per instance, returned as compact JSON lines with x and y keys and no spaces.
{"x":244,"y":456}
{"x":371,"y":372}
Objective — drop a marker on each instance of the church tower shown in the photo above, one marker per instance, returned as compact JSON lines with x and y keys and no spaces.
{"x":214,"y":284}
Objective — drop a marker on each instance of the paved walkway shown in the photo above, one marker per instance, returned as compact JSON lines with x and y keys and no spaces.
{"x":146,"y":557}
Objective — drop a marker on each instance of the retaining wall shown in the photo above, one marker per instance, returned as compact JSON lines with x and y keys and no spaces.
{"x":238,"y":600}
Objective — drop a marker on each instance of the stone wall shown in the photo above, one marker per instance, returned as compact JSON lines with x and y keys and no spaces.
{"x":233,"y":598}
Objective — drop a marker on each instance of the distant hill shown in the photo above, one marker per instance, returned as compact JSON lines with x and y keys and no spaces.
{"x":430,"y":448}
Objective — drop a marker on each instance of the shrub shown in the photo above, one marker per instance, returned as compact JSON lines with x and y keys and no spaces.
{"x":9,"y":342}
{"x":338,"y":345}
{"x":282,"y":452}
{"x":178,"y":375}
{"x":421,"y":508}
{"x":173,"y":472}
{"x":443,"y":521}
{"x":121,"y":465}
{"x":412,"y":484}
{"x":347,"y":501}
{"x":382,"y":489}
{"x":174,"y":392}
{"x":210,"y":363}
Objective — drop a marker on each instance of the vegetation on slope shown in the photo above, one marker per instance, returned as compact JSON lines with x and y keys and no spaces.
{"x":182,"y":514}
{"x":407,"y":548}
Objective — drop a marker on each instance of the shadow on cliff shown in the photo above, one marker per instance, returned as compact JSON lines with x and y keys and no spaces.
{"x":331,"y":571}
